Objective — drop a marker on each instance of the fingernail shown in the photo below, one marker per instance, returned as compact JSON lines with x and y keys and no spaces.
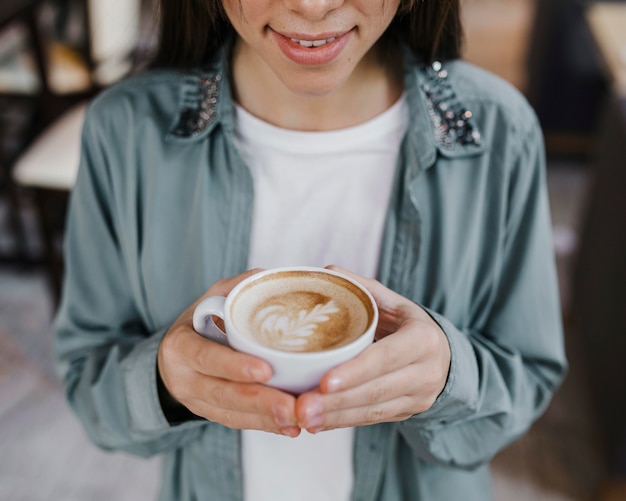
{"x":282,"y":416}
{"x":333,"y":384}
{"x":291,"y":431}
{"x":256,"y":373}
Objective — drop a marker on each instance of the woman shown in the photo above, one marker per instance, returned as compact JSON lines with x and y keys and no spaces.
{"x":312,"y":132}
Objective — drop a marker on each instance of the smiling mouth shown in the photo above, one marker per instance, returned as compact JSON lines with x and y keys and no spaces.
{"x":313,"y":43}
{"x":308,"y":49}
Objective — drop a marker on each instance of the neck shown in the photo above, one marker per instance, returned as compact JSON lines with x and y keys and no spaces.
{"x":371,"y":89}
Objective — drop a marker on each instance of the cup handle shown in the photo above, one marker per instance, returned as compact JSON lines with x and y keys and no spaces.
{"x":203,"y":322}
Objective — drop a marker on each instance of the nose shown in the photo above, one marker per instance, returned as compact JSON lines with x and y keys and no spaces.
{"x":314,"y":10}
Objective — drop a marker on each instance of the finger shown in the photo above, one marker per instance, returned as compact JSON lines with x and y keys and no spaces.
{"x":216,"y":399}
{"x":314,"y":409}
{"x":382,"y":295}
{"x":248,"y":397}
{"x":219,"y":288}
{"x":393,"y":309}
{"x":384,"y":412}
{"x":275,"y":409}
{"x":207,"y":357}
{"x":223,"y":288}
{"x":239,"y":420}
{"x":387,"y":355}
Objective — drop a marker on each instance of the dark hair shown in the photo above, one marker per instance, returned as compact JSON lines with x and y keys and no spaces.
{"x":191,"y":31}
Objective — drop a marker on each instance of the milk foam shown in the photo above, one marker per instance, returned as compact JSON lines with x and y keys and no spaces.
{"x":302,"y":312}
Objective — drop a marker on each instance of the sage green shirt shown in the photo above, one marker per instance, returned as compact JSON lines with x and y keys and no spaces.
{"x":162,"y":209}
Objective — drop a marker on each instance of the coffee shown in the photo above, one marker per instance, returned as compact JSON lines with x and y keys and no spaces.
{"x":302,"y":311}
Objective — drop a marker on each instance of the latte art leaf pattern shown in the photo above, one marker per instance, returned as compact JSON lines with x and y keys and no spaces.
{"x":278,"y":323}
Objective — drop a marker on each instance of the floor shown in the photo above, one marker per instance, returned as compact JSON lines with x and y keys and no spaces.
{"x":44,"y":453}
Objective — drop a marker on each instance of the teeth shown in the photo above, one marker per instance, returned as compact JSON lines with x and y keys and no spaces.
{"x":313,"y":43}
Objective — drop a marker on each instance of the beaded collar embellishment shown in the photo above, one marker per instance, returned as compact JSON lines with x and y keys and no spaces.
{"x":199,"y":107}
{"x":452,"y":122}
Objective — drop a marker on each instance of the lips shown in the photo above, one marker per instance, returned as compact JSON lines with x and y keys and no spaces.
{"x":311,"y":50}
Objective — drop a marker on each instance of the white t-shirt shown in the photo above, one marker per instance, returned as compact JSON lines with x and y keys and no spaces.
{"x":320,"y":198}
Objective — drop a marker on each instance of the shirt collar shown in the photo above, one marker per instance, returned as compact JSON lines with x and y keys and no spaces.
{"x":205,"y":101}
{"x":439,"y":124}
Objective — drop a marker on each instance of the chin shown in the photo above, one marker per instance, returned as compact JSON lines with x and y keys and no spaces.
{"x":314,"y":86}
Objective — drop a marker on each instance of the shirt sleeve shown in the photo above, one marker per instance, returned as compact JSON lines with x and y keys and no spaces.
{"x":104,"y":353}
{"x":502,"y":376}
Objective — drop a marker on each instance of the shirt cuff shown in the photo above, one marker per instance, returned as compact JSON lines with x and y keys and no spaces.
{"x":459,"y":397}
{"x":140,"y":382}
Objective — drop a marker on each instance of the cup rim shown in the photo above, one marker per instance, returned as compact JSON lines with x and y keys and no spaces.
{"x":260,"y":349}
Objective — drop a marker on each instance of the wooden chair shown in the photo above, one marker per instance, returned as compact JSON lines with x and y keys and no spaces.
{"x":23,"y":99}
{"x":46,"y":168}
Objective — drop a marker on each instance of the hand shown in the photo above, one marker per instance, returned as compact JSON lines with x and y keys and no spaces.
{"x":218,"y":383}
{"x":398,"y":376}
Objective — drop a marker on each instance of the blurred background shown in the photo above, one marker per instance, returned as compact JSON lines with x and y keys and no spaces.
{"x":567,"y":56}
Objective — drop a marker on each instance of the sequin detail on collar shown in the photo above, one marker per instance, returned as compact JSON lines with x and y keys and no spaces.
{"x":452,"y":122}
{"x":199,"y":106}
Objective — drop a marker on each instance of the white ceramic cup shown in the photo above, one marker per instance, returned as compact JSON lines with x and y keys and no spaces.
{"x":296,"y":319}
